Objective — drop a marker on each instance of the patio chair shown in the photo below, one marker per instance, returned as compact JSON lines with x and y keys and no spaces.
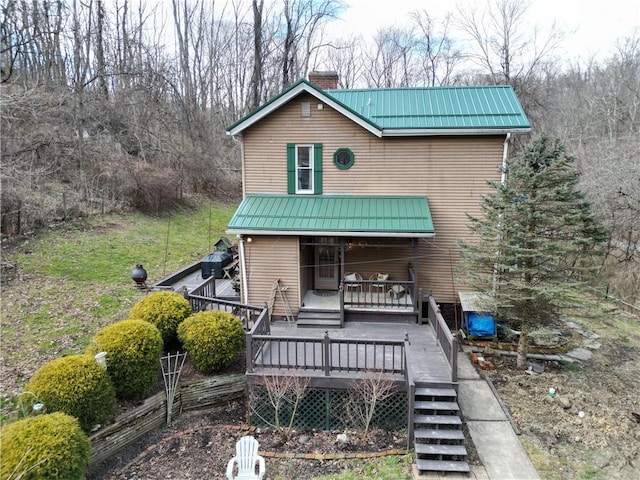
{"x":353,"y":277}
{"x":246,"y":458}
{"x":378,"y":277}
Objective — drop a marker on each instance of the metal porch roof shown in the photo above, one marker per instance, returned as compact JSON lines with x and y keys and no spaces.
{"x":340,"y":215}
{"x":474,"y":107}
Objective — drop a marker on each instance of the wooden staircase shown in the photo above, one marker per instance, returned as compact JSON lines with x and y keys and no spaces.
{"x":317,"y":317}
{"x":438,"y":437}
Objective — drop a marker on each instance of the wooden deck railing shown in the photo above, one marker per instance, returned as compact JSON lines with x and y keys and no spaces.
{"x":253,"y":347}
{"x":378,"y":294}
{"x":327,"y":355}
{"x":248,"y":314}
{"x":411,"y":394}
{"x":205,"y":289}
{"x":167,"y":282}
{"x":447,"y":341}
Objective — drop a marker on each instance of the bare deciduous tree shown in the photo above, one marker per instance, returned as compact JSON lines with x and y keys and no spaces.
{"x":303,"y":22}
{"x":365,"y":398}
{"x":392,"y":58}
{"x":506,"y":48}
{"x":437,"y":51}
{"x":284,"y":394}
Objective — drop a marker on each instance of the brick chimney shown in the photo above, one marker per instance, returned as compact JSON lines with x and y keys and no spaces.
{"x":324,"y":80}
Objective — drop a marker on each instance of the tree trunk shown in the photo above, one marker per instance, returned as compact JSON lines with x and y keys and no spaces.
{"x":256,"y":75}
{"x":100,"y":59}
{"x":521,"y":359}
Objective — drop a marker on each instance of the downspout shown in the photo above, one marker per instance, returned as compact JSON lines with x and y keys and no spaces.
{"x":503,"y":179}
{"x":241,"y":143}
{"x":243,"y":257}
{"x":243,"y":273}
{"x":505,"y":156}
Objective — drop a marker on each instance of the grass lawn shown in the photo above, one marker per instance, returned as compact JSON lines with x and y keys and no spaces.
{"x":76,"y":279}
{"x":386,"y":468}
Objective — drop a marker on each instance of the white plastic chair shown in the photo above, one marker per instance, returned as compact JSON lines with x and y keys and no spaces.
{"x":353,"y":277}
{"x":378,"y":277}
{"x":246,"y":458}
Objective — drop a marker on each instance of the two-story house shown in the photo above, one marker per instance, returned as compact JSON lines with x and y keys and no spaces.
{"x":361,"y":195}
{"x":352,"y":206}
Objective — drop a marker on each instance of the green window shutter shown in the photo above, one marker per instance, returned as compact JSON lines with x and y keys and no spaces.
{"x":317,"y":168}
{"x":291,"y":168}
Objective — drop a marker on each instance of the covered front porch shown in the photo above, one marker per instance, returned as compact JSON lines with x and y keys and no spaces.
{"x":345,"y":255}
{"x":362,"y":300}
{"x":358,"y":278}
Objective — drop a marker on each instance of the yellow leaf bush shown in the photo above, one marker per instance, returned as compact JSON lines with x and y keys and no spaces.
{"x":75,"y":385}
{"x":165,"y":310}
{"x":51,"y":446}
{"x":133,"y":352}
{"x":212,"y":338}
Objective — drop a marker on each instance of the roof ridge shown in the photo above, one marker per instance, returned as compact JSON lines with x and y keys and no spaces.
{"x":435,"y":87}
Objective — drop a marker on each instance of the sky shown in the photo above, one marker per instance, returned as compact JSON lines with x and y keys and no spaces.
{"x":592,"y":26}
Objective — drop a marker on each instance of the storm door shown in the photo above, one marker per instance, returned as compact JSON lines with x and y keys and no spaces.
{"x":327,"y":265}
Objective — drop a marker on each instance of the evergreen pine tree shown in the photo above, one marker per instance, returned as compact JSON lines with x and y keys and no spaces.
{"x":536,"y":237}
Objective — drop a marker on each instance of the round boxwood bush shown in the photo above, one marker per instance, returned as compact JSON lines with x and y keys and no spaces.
{"x":51,"y":446}
{"x":212,"y":338}
{"x":75,"y":385}
{"x":165,"y":310}
{"x":133,"y":350}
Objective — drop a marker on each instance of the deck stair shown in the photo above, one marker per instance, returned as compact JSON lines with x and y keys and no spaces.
{"x":438,"y":437}
{"x":317,"y":317}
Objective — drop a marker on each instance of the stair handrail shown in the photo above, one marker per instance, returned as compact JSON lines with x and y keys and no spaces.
{"x":447,"y":341}
{"x":411,"y":392}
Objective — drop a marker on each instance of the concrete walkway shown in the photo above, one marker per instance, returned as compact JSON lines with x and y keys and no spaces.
{"x":499,"y":448}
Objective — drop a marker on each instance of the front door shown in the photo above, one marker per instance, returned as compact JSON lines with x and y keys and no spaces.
{"x":326,"y":267}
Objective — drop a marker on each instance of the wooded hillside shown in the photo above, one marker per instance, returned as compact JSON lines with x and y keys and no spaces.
{"x":110,"y":106}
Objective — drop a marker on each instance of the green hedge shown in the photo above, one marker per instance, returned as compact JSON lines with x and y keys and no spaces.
{"x":165,"y":310}
{"x":133,"y":355}
{"x":75,"y":385}
{"x":212,"y":338}
{"x":49,"y":446}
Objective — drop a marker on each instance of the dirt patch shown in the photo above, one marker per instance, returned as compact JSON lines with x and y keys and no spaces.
{"x":199,"y":445}
{"x":591,"y":427}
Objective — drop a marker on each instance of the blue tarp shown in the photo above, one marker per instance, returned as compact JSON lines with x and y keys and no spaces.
{"x":480,"y":324}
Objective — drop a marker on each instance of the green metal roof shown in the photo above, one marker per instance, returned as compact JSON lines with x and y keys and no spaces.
{"x":412,"y":111}
{"x":363,"y":215}
{"x":436,"y":107}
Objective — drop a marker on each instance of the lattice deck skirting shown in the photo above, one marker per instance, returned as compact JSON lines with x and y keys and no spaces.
{"x":325,"y":409}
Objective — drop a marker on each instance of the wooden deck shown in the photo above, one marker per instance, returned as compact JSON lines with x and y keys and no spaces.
{"x":336,"y":356}
{"x":190,"y":278}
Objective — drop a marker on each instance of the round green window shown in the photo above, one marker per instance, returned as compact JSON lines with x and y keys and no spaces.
{"x":343,"y":158}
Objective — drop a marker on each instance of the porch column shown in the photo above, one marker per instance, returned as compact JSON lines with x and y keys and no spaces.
{"x":342,"y":239}
{"x":416,"y":270}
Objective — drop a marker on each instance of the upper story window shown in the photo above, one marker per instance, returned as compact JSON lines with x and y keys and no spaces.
{"x":304,"y":168}
{"x":343,"y":158}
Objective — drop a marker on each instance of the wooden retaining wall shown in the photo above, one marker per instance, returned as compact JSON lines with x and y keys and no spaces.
{"x":152,"y":414}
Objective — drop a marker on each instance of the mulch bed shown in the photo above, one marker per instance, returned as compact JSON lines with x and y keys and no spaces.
{"x":199,"y":445}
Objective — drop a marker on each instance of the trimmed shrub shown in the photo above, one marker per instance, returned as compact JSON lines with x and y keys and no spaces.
{"x":49,"y":446}
{"x":165,"y":310}
{"x":133,"y":351}
{"x":212,"y":338}
{"x":75,"y":385}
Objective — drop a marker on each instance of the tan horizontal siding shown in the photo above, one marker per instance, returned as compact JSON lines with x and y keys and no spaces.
{"x":269,"y":259}
{"x":368,"y":260}
{"x":450,"y":171}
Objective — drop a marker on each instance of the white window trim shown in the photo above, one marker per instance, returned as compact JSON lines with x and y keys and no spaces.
{"x":310,"y":168}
